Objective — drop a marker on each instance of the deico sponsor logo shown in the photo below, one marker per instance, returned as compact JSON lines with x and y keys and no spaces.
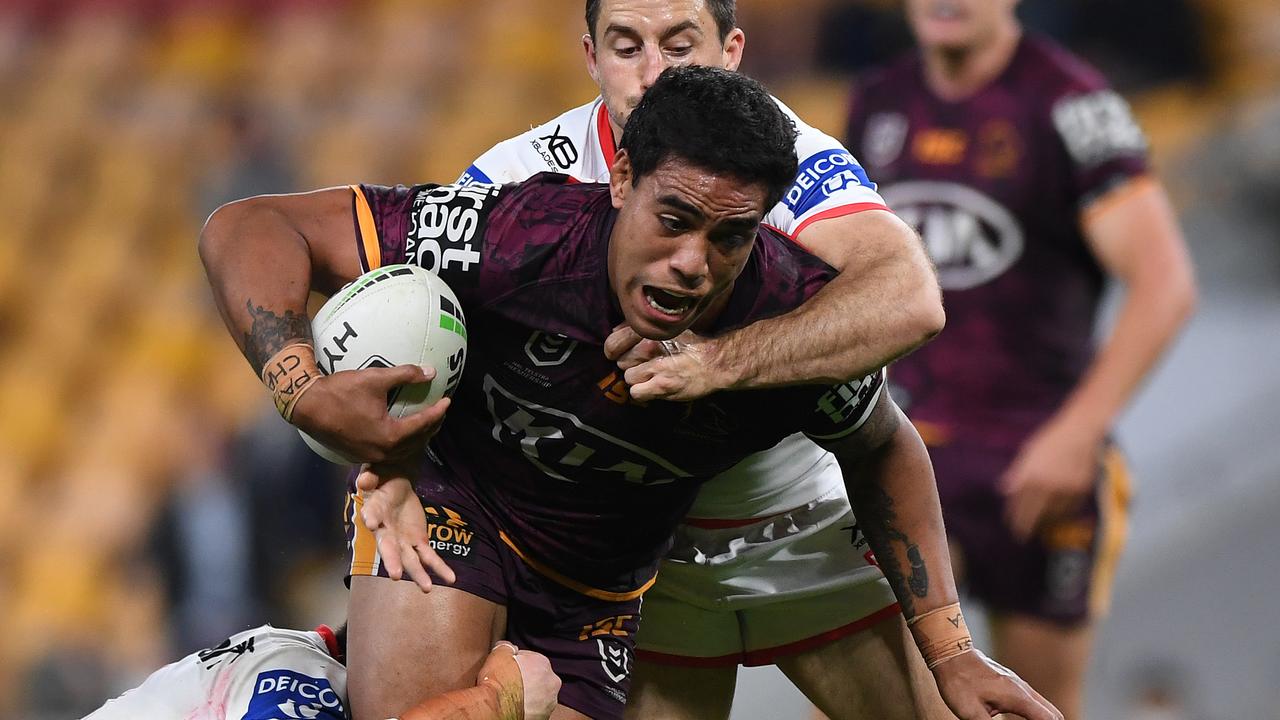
{"x":288,"y":694}
{"x":821,"y":176}
{"x":971,"y":238}
{"x":565,"y":448}
{"x":447,"y":227}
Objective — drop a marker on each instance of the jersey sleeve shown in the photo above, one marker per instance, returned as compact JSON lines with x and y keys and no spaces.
{"x":438,"y":227}
{"x":1105,"y":147}
{"x":842,"y":409}
{"x":829,"y":182}
{"x":512,"y":160}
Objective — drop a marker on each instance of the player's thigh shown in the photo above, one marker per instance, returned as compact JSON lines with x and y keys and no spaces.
{"x":1051,"y":657}
{"x":874,"y":673}
{"x":681,"y":693}
{"x":405,"y":645}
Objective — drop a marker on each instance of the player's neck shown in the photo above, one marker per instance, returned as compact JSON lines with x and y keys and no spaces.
{"x":956,"y":74}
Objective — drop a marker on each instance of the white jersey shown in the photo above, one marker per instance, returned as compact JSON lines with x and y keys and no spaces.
{"x":829,"y":183}
{"x":259,"y":674}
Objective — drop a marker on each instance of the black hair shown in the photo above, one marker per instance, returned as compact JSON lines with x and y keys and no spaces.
{"x":717,"y":120}
{"x":725,"y":13}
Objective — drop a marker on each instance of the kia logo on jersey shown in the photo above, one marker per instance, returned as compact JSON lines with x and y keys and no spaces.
{"x":971,"y":238}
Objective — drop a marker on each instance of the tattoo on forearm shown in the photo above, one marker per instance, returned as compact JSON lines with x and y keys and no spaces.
{"x":270,"y":333}
{"x":874,"y":509}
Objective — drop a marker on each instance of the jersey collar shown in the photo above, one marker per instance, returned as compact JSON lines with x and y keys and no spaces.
{"x":608,"y":147}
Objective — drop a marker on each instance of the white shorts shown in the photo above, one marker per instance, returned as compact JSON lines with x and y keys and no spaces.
{"x":747,"y":594}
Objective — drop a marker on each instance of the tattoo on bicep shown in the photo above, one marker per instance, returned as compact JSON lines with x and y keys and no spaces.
{"x":271,"y":332}
{"x":874,"y":509}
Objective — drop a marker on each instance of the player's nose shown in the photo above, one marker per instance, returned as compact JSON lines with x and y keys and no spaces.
{"x":654,"y":64}
{"x":689,"y":262}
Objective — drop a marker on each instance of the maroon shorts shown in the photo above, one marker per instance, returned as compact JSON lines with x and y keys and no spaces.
{"x":590,"y":641}
{"x":1064,"y":574}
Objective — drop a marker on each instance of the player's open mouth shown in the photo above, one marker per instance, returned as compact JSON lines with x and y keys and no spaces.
{"x":668,"y":303}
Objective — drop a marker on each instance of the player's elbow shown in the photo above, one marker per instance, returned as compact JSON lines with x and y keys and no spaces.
{"x":1185,"y":294}
{"x":224,"y":226}
{"x":929,"y":315}
{"x":923,"y":316}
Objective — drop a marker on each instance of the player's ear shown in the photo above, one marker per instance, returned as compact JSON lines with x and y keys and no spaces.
{"x":589,"y":49}
{"x":620,"y":178}
{"x":734,"y":42}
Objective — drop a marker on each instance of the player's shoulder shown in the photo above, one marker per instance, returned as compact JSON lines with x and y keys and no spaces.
{"x":1053,"y":69}
{"x":557,"y":145}
{"x":780,"y":275}
{"x":549,"y":210}
{"x":900,"y":72}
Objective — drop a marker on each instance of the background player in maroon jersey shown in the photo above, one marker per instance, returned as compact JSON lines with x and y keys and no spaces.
{"x":569,"y":496}
{"x":1027,"y":178}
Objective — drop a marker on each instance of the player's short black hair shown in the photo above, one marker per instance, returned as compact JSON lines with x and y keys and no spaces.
{"x":725,"y":13}
{"x":717,"y":120}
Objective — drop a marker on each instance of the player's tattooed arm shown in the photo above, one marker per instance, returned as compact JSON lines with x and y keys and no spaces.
{"x":894,"y":497}
{"x":879,"y":522}
{"x":264,"y":256}
{"x":271,"y":333}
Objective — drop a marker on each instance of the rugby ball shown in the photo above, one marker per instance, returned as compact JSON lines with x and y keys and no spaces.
{"x":395,"y":315}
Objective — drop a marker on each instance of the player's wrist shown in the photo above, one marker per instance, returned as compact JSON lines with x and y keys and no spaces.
{"x":289,"y":374}
{"x":725,"y":366}
{"x":941,"y":635}
{"x":509,"y":696}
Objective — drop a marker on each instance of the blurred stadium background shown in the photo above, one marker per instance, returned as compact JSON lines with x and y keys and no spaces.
{"x":150,"y":500}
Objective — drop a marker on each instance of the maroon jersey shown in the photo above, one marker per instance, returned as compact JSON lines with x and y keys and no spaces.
{"x":581,"y":479}
{"x":995,"y":185}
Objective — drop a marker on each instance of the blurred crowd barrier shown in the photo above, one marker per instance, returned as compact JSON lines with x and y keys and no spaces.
{"x":137,"y":451}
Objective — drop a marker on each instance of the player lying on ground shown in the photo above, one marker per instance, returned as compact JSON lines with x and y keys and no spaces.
{"x":267,"y":673}
{"x":567,"y":492}
{"x":770,"y":565}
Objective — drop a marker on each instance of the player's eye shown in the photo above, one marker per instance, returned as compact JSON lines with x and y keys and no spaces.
{"x":627,"y":50}
{"x":735,"y":241}
{"x":672,"y":223}
{"x":680,"y":50}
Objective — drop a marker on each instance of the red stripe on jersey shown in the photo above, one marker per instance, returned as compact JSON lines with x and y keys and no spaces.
{"x":608,"y":146}
{"x":722,"y":523}
{"x":836,"y":212}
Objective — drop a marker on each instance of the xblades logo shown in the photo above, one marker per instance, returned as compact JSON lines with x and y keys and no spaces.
{"x":560,"y":148}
